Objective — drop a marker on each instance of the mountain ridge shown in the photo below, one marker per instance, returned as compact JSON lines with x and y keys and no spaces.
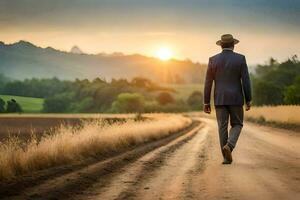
{"x":24,"y":59}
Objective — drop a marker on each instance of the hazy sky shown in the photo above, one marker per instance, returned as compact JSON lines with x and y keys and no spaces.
{"x":189,"y":27}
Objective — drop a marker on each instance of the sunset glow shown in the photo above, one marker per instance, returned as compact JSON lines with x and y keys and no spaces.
{"x":189,"y":29}
{"x":164,"y":54}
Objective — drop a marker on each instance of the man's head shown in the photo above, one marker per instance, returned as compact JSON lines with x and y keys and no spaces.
{"x":227,"y":41}
{"x":228,"y":45}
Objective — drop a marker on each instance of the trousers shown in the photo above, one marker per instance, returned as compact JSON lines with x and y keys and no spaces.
{"x":235,"y":114}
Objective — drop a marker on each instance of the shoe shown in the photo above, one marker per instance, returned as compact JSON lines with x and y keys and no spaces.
{"x":226,"y":162}
{"x":227,"y":153}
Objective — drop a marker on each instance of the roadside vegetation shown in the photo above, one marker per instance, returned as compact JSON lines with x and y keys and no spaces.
{"x":276,"y":94}
{"x":67,"y":144}
{"x":277,"y":83}
{"x":278,"y":116}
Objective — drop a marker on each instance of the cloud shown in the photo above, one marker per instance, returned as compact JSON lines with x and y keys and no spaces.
{"x":135,"y":25}
{"x":145,"y":14}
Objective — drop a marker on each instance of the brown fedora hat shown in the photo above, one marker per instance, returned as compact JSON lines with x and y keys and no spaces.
{"x":227,"y":38}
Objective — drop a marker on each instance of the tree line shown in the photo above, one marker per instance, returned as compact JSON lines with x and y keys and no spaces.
{"x":273,"y":83}
{"x":115,"y":96}
{"x":277,"y":83}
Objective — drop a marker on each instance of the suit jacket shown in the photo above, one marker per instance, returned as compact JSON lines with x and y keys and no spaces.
{"x":229,"y":72}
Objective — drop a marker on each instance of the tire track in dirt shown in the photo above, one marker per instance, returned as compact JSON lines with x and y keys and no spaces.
{"x":266,"y":166}
{"x":125,"y":184}
{"x":74,"y":183}
{"x":172,"y":178}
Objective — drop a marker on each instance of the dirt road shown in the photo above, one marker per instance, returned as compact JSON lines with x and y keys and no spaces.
{"x":186,"y":166}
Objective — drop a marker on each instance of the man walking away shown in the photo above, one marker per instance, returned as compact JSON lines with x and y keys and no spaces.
{"x":229,"y":72}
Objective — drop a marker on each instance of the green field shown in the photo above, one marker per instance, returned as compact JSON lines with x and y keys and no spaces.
{"x":183,"y":91}
{"x":28,"y":104}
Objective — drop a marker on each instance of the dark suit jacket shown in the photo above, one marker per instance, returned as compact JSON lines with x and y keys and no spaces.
{"x":229,"y":72}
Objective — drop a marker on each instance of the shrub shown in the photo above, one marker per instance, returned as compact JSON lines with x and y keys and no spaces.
{"x":177,"y":106}
{"x":128,"y":103}
{"x":58,"y":104}
{"x":152,"y":107}
{"x":13,"y":107}
{"x":266,"y":93}
{"x":292,"y":93}
{"x":195,"y":100}
{"x":2,"y":106}
{"x":85,"y":105}
{"x":261,"y":120}
{"x":164,"y":98}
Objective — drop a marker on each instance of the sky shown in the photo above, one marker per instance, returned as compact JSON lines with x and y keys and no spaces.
{"x":189,"y":28}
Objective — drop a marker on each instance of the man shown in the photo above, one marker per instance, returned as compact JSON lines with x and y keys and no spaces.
{"x":229,"y":72}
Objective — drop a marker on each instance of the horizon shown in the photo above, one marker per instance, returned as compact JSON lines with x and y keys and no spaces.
{"x":114,"y":53}
{"x":187,"y":29}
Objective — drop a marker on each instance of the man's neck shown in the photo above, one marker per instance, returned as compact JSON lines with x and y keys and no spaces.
{"x":227,"y":49}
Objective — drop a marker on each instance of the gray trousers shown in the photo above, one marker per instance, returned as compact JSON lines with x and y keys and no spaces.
{"x":235,"y":114}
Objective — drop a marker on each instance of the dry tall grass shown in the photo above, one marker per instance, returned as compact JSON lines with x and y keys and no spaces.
{"x":68,"y":145}
{"x":282,"y":114}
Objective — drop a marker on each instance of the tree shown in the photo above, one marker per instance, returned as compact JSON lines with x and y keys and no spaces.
{"x":3,"y":81}
{"x":141,"y":82}
{"x":128,"y":103}
{"x":266,"y":93}
{"x":273,"y":83}
{"x":2,"y":106}
{"x":164,"y":98}
{"x":13,"y":107}
{"x":195,"y":100}
{"x":85,"y":105}
{"x":34,"y":87}
{"x":59,"y":103}
{"x":292,"y":93}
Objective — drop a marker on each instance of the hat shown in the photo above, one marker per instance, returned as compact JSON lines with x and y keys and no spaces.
{"x":227,"y":38}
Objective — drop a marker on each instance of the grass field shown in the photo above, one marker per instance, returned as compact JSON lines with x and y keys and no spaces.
{"x":28,"y":104}
{"x":94,"y":138}
{"x":40,"y":124}
{"x":278,"y":116}
{"x":283,"y":114}
{"x":184,"y":90}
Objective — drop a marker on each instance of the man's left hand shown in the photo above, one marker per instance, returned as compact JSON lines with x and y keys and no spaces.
{"x":248,"y":106}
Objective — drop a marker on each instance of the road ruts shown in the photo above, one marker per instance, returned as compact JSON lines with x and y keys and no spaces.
{"x":188,"y":165}
{"x":71,"y":184}
{"x":162,"y":173}
{"x":266,"y":166}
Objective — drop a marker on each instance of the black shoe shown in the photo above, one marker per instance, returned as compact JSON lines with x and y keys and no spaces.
{"x":226,"y":162}
{"x":227,"y":153}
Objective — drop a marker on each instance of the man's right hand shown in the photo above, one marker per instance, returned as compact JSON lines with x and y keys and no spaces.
{"x":207,"y":109}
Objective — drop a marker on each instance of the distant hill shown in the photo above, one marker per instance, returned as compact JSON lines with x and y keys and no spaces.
{"x":25,"y":60}
{"x":76,"y":50}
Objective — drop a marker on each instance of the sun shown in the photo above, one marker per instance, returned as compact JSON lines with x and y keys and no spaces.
{"x":164,"y":53}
